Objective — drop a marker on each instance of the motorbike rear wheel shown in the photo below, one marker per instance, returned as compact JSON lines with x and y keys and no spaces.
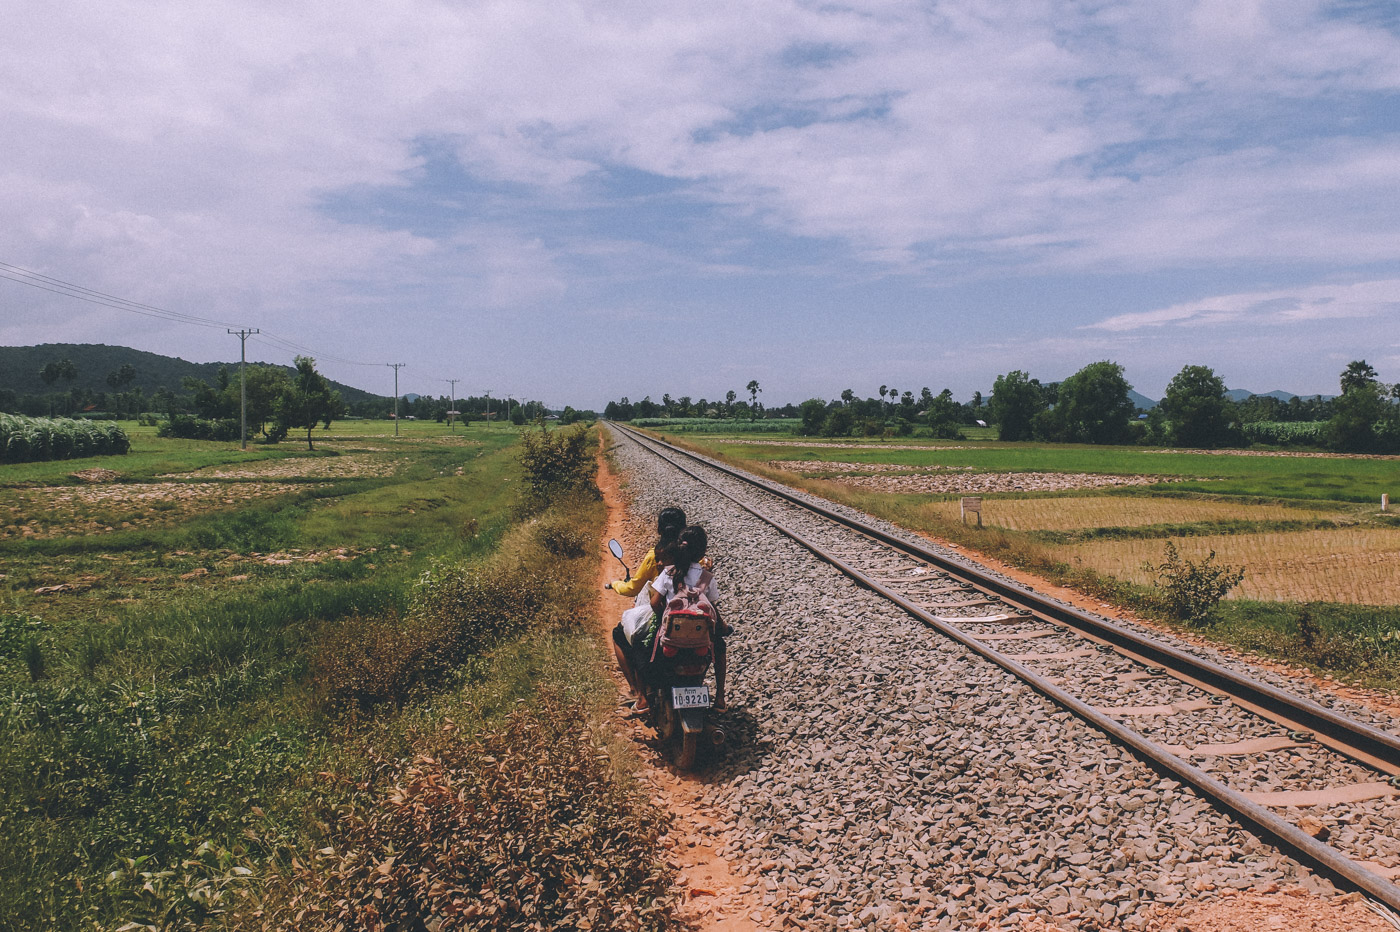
{"x":690,"y":744}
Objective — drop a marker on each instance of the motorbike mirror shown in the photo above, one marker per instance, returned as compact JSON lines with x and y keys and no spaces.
{"x":616,"y":549}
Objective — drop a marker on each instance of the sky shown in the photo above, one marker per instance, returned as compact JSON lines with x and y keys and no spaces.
{"x":580,"y":201}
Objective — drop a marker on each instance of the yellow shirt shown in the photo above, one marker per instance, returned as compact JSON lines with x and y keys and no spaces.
{"x":645,"y":574}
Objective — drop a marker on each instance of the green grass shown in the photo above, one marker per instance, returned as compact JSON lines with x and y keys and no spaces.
{"x":173,"y":723}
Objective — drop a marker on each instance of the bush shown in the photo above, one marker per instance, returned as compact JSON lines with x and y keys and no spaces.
{"x":562,"y":537}
{"x":1189,"y":589}
{"x":556,"y":463}
{"x":362,"y":662}
{"x":524,"y":827}
{"x":187,"y":427}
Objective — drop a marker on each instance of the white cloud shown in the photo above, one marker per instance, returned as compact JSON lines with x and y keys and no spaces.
{"x":183,"y":154}
{"x":1317,"y":302}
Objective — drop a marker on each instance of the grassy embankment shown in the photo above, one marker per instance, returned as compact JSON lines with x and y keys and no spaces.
{"x":1321,"y":565}
{"x":228,"y":683}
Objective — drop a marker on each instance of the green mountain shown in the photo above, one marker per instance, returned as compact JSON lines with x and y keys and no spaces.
{"x":20,"y":365}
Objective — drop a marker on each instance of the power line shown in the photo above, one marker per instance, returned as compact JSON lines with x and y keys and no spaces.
{"x":58,"y":286}
{"x":284,"y":343}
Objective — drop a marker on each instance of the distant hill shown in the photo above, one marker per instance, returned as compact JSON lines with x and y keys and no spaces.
{"x":20,"y":365}
{"x":1240,"y":394}
{"x":1141,"y":401}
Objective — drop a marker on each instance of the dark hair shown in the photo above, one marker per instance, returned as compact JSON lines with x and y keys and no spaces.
{"x":688,"y":550}
{"x":669,"y":525}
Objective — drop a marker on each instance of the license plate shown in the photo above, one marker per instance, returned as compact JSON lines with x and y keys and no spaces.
{"x":690,"y":697}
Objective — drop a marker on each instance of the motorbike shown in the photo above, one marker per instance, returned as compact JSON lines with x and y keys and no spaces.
{"x":674,"y":683}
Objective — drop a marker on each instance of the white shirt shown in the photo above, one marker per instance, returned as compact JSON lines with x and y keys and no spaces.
{"x":666,"y":586}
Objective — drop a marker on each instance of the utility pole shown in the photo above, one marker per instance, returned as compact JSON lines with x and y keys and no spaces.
{"x":243,"y":336}
{"x":452,"y":405}
{"x":396,"y":366}
{"x":487,"y":393}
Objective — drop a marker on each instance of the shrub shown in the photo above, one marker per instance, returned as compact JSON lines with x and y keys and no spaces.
{"x":1191,"y":589}
{"x":362,"y":662}
{"x":524,"y":827}
{"x":556,"y":463}
{"x":187,"y":427}
{"x":562,"y":538}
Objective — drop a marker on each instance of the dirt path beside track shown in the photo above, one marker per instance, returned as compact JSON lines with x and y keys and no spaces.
{"x":709,"y":885}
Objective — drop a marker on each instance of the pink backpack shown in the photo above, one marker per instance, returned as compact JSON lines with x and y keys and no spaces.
{"x":688,"y":621}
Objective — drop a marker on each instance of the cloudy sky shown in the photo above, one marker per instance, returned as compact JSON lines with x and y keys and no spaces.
{"x":578,"y":201}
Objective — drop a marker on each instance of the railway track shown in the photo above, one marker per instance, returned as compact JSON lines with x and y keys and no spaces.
{"x":1162,"y":702}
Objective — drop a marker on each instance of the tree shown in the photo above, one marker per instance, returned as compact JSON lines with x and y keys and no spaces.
{"x":813,"y":417}
{"x":1093,"y":406}
{"x":943,"y":415}
{"x":753,"y":391}
{"x":848,"y":396}
{"x":1196,"y":410}
{"x":62,"y":369}
{"x":265,"y":385}
{"x":1357,"y":374}
{"x":840,"y":421}
{"x":1361,"y":414}
{"x":729,"y":397}
{"x":308,"y":400}
{"x":1016,"y":400}
{"x":117,"y":380}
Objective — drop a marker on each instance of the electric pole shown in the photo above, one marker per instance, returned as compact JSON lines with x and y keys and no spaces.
{"x":452,"y":406}
{"x":396,"y":366}
{"x":487,"y":393}
{"x":243,"y":336}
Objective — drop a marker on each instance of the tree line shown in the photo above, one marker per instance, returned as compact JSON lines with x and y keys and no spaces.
{"x":217,"y":401}
{"x":731,"y":406}
{"x":1091,"y":406}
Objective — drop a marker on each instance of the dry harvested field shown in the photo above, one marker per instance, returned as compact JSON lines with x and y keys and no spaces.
{"x":986,"y":482}
{"x":820,"y":466}
{"x":1348,"y":565}
{"x":1113,"y":511}
{"x":354,"y":466}
{"x":63,"y":511}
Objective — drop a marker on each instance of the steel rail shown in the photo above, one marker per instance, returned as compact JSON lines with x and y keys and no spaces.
{"x":1257,"y":818}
